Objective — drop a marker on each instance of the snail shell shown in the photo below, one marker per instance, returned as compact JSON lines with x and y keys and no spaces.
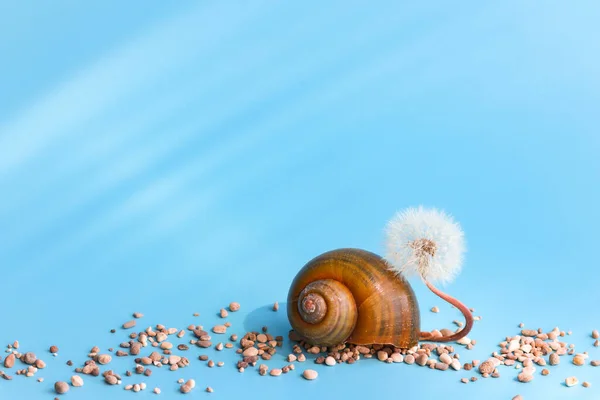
{"x":350,"y":295}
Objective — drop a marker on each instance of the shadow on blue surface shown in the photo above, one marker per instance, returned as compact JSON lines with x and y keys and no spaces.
{"x":277,"y":322}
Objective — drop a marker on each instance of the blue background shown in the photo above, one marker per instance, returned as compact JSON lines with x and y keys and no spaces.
{"x":172,"y":157}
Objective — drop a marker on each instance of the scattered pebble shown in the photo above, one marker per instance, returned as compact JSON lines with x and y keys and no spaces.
{"x":276,"y":306}
{"x":137,"y":315}
{"x":310,"y":374}
{"x":578,"y":360}
{"x":435,"y":309}
{"x":129,"y":324}
{"x":234,"y":306}
{"x":209,"y":389}
{"x":525,"y":377}
{"x":571,"y":381}
{"x":76,"y":381}
{"x":61,"y":387}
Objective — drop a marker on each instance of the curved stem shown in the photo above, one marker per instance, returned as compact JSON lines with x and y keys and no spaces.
{"x":463,"y":309}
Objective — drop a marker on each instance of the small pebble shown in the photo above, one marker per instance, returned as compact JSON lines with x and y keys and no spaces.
{"x":435,"y":310}
{"x":578,"y":360}
{"x":276,"y":306}
{"x":129,"y":324}
{"x":76,"y":381}
{"x":571,"y":381}
{"x":157,"y":390}
{"x":310,"y":374}
{"x":61,"y":387}
{"x":275,"y":372}
{"x":209,"y":389}
{"x":525,"y":377}
{"x":586,"y":384}
{"x":234,"y":306}
{"x":330,"y":361}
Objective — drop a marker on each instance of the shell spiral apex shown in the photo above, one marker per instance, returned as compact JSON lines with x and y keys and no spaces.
{"x":425,"y":242}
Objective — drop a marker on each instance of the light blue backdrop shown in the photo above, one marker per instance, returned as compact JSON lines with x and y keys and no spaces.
{"x":171,"y":157}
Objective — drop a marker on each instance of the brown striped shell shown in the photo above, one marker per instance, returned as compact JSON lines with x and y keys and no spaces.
{"x":350,"y":295}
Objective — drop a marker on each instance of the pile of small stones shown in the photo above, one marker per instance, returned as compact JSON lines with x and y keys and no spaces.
{"x":525,"y":352}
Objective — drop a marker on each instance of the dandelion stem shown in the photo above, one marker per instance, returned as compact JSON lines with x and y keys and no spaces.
{"x":456,"y":303}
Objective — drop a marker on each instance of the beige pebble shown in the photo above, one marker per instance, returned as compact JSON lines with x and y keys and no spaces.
{"x":61,"y":387}
{"x":275,"y":372}
{"x":9,"y":361}
{"x":330,"y":361}
{"x":129,"y":324}
{"x":525,"y":377}
{"x":157,"y":390}
{"x":142,"y":386}
{"x":409,"y":359}
{"x":234,"y":306}
{"x":455,"y":364}
{"x":220,"y":329}
{"x":166,"y":345}
{"x":191,"y":383}
{"x":276,"y":306}
{"x":595,"y":363}
{"x":397,"y":357}
{"x":464,"y":341}
{"x":128,"y":387}
{"x":291,"y":358}
{"x":137,"y":315}
{"x":262,"y":338}
{"x":185,"y":389}
{"x":586,"y":384}
{"x":464,"y":380}
{"x":571,"y":381}
{"x":136,"y":387}
{"x":76,"y":381}
{"x":435,"y":309}
{"x":486,"y":367}
{"x":554,"y":359}
{"x":518,"y":397}
{"x":310,"y":374}
{"x":420,"y":359}
{"x":445,"y":358}
{"x":578,"y":360}
{"x":104,"y":359}
{"x":250,"y":352}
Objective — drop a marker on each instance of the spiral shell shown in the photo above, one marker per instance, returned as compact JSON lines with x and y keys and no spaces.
{"x":351,"y":295}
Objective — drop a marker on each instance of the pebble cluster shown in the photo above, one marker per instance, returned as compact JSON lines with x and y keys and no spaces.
{"x":525,"y":352}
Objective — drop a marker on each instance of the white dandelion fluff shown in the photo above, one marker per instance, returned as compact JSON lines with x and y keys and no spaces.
{"x":425,"y":242}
